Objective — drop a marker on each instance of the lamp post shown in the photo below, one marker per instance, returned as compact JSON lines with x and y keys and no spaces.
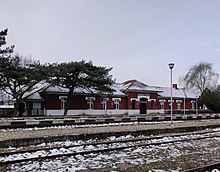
{"x":196,"y":105}
{"x":171,"y":65}
{"x":184,"y":101}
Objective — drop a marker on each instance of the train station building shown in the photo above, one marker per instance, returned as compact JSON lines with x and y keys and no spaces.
{"x":131,"y":97}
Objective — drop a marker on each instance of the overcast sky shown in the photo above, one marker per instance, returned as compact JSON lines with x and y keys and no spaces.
{"x":138,"y":38}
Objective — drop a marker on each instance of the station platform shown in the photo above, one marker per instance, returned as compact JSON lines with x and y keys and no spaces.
{"x":28,"y":136}
{"x":30,"y":122}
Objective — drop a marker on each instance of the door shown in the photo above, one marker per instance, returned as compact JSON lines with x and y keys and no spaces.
{"x":143,"y":105}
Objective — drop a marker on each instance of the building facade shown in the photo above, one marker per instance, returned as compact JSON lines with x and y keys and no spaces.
{"x":131,"y":97}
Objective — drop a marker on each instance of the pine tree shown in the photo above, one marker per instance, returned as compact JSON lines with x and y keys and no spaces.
{"x":84,"y":75}
{"x":18,"y":77}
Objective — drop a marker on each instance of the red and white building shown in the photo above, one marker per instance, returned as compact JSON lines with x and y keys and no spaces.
{"x":130,"y":97}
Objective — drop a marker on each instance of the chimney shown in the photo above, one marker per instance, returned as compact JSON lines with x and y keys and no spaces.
{"x":175,"y":86}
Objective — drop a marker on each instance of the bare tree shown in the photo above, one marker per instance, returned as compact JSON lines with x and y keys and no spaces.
{"x":200,"y":77}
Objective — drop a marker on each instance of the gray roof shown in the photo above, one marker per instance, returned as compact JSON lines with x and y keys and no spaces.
{"x":34,"y":94}
{"x":131,"y":85}
{"x":79,"y":90}
{"x":177,"y":93}
{"x":46,"y":87}
{"x":134,"y":85}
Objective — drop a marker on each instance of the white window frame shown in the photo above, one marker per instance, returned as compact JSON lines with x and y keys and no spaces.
{"x":162,"y":104}
{"x":103,"y":104}
{"x":116,"y":103}
{"x":193,"y":104}
{"x":135,"y":103}
{"x":63,"y":101}
{"x":90,"y":102}
{"x":178,"y":105}
{"x":154,"y":103}
{"x":169,"y":103}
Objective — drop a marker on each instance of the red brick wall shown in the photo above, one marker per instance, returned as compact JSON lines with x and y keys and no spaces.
{"x":131,"y":95}
{"x":77,"y":102}
{"x":52,"y":101}
{"x":80,"y":102}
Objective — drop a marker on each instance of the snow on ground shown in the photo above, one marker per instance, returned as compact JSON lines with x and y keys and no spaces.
{"x":135,"y":156}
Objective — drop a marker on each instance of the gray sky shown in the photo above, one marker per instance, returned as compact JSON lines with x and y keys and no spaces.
{"x":138,"y":38}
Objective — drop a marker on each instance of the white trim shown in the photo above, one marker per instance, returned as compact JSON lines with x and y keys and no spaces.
{"x":87,"y":98}
{"x":153,"y":100}
{"x":101,"y":112}
{"x":107,"y":99}
{"x":162,"y":100}
{"x":113,"y":99}
{"x":170,"y":100}
{"x":193,"y":101}
{"x":147,"y":96}
{"x":179,"y":101}
{"x":62,"y":97}
{"x":131,"y":99}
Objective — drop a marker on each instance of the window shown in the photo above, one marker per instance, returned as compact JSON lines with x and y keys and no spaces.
{"x":116,"y":103}
{"x":178,"y":105}
{"x":103,"y":103}
{"x":152,"y":104}
{"x":170,"y":103}
{"x":133,"y":104}
{"x":193,"y":105}
{"x":162,"y":105}
{"x":63,"y":102}
{"x":90,"y":102}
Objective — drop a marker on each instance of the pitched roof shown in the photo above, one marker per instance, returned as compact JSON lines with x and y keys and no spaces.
{"x":178,"y":93}
{"x":134,"y":85}
{"x":46,"y":87}
{"x":34,"y":93}
{"x":130,"y":85}
{"x":80,"y":90}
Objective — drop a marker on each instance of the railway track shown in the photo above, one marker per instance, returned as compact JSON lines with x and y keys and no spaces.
{"x":205,"y":168}
{"x":40,"y":154}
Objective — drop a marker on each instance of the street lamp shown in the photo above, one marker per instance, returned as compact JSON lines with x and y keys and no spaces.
{"x":196,"y":105}
{"x":171,"y":65}
{"x":184,"y":101}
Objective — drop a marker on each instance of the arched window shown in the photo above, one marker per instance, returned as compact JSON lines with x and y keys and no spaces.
{"x":193,"y":105}
{"x":178,"y":102}
{"x":134,"y":104}
{"x":152,"y":104}
{"x":162,"y":105}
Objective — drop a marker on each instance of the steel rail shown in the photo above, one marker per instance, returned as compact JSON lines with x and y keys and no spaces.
{"x":205,"y":168}
{"x":103,"y":150}
{"x":106,"y":142}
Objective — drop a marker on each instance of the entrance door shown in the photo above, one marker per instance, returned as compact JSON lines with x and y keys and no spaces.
{"x":143,"y":105}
